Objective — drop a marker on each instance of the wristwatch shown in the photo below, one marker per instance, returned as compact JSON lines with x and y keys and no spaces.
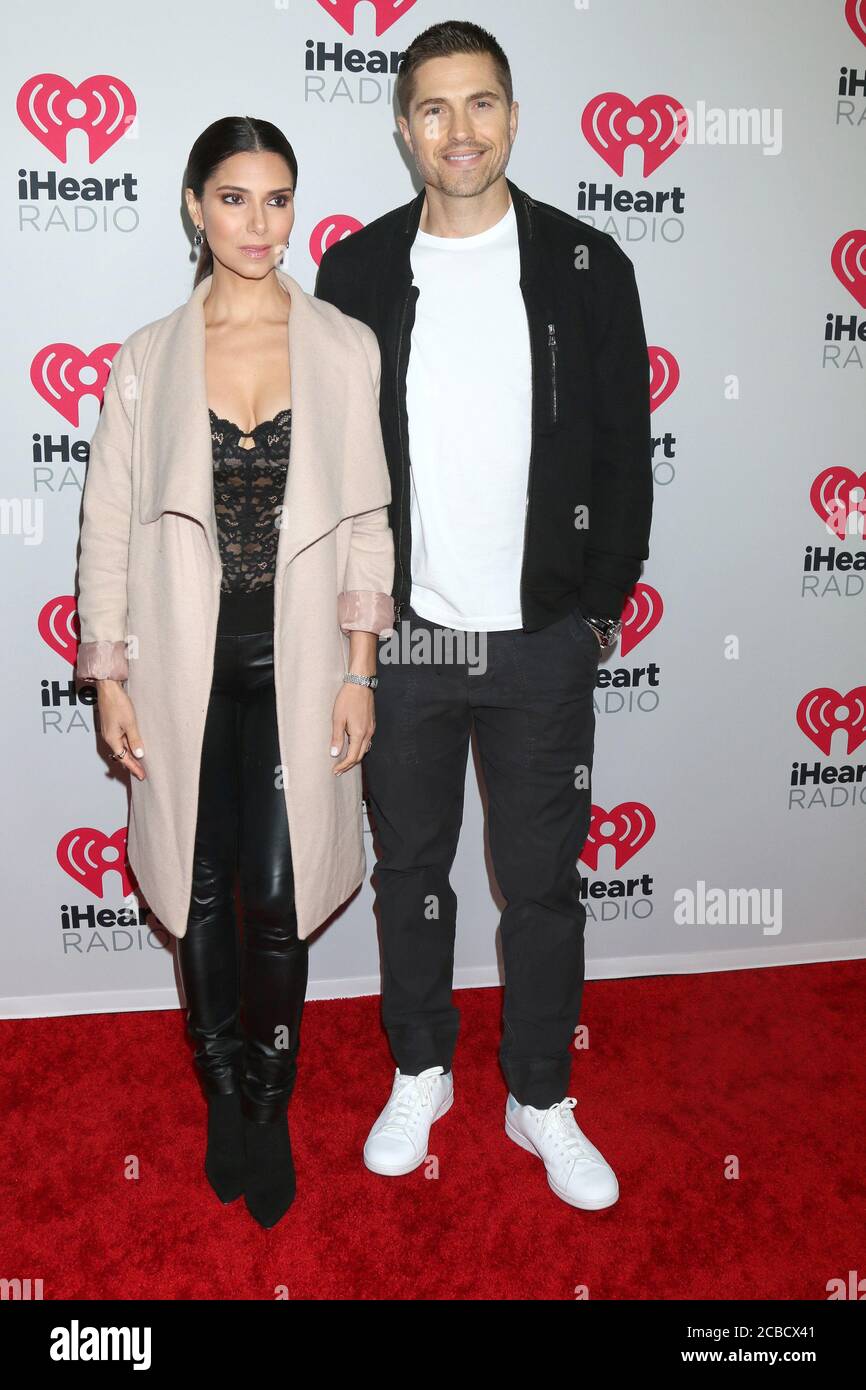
{"x":608,"y":630}
{"x":370,"y":681}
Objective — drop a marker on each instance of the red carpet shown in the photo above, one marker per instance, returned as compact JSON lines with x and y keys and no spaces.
{"x":683,"y":1071}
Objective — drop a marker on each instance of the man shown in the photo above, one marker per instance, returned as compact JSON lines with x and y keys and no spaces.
{"x":515,"y":412}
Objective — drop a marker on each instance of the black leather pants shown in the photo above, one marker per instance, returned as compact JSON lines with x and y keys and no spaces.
{"x":244,"y":996}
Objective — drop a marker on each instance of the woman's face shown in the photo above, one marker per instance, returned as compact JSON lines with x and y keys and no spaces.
{"x":247,"y":210}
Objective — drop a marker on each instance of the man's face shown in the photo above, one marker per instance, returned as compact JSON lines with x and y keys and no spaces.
{"x":460,"y":128}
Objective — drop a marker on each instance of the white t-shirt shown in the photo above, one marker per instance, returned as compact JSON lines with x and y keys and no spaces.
{"x":469,"y":399}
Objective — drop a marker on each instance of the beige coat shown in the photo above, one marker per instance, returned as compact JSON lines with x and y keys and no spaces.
{"x":149,"y":580}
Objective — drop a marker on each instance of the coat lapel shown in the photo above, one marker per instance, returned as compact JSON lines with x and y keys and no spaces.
{"x":175,"y":442}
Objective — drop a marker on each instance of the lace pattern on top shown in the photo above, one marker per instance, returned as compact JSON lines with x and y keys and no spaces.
{"x":249,"y":493}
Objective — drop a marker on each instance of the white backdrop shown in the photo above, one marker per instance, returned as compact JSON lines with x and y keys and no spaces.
{"x":741,"y":666}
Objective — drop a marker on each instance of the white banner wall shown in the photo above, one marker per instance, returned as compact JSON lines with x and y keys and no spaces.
{"x":731,"y":720}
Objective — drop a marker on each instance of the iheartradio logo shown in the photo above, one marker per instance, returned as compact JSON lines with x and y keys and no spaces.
{"x":642,"y":612}
{"x":329,"y":230}
{"x":848,"y":260}
{"x":387,"y":12}
{"x":628,"y":827}
{"x":49,"y":106}
{"x":59,"y":627}
{"x":823,"y":711}
{"x":664,"y":376}
{"x":87,"y":855}
{"x":657,"y":125}
{"x":62,"y":374}
{"x":838,"y":495}
{"x":855,"y":13}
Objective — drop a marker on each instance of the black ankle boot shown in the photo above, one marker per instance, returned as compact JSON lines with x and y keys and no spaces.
{"x":225,"y":1160}
{"x":270,"y":1183}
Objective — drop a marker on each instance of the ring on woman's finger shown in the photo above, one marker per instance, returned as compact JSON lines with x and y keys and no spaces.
{"x":120,"y":755}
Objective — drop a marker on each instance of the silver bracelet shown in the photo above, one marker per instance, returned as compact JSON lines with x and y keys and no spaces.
{"x":370,"y":681}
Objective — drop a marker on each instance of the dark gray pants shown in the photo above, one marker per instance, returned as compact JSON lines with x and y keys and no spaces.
{"x":532,"y":709}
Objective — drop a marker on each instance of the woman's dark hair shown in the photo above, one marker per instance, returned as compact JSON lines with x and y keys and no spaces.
{"x":441,"y":41}
{"x":223,"y":138}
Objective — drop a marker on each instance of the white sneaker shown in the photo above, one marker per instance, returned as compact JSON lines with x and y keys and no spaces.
{"x":397,"y":1143}
{"x":576,"y":1170}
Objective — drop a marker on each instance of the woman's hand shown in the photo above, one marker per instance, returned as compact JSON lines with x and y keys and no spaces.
{"x":118,"y":725}
{"x":353,"y":716}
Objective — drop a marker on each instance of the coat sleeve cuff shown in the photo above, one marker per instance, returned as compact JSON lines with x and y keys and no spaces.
{"x":102,"y":661}
{"x":601,"y":599}
{"x":365,"y":610}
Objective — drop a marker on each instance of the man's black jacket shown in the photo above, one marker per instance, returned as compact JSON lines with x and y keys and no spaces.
{"x":590,"y":470}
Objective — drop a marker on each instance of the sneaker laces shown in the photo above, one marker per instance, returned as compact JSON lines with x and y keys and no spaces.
{"x":560,"y":1124}
{"x":403,"y":1105}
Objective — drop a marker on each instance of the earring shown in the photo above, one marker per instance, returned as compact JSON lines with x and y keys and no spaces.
{"x":198,"y":238}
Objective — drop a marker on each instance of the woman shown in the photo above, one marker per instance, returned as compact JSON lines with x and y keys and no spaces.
{"x":235,"y":571}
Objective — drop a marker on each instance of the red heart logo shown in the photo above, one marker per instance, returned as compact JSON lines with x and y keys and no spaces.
{"x":43,"y":108}
{"x":832,"y":497}
{"x":663,"y":127}
{"x":56,"y":373}
{"x":628,"y":827}
{"x":59,"y":627}
{"x":848,"y":259}
{"x":642,"y":612}
{"x":823,"y":711}
{"x":87,"y":855}
{"x":387,"y":12}
{"x":855,"y":13}
{"x":664,"y":376}
{"x":329,"y":230}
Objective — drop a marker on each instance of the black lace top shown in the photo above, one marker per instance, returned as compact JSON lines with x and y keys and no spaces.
{"x":249,"y":492}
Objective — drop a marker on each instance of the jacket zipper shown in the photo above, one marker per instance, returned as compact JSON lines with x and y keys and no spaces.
{"x":531,"y":202}
{"x":529,"y":478}
{"x":551,"y":343}
{"x":404,"y":499}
